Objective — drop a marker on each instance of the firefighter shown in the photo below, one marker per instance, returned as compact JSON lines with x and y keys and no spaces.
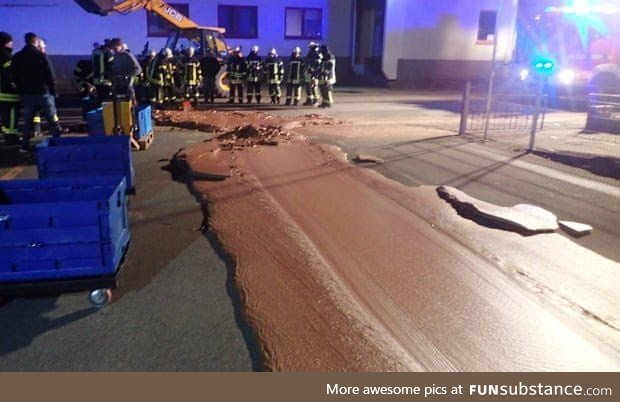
{"x":102,"y":58}
{"x":83,"y":77}
{"x":294,"y":77}
{"x":327,"y":77}
{"x":274,"y":70}
{"x":167,"y":69}
{"x":312,"y":68}
{"x":9,"y":98}
{"x":35,"y":82}
{"x":155,"y":77}
{"x":210,"y":66}
{"x":236,"y":70}
{"x":254,"y":74}
{"x":192,"y":75}
{"x":144,"y":88}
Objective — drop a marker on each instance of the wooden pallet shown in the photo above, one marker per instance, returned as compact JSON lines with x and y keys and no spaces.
{"x":145,"y":142}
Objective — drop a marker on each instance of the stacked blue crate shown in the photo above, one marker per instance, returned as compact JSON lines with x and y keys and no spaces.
{"x":59,"y":229}
{"x":145,"y":122}
{"x":86,"y":156}
{"x":94,"y":122}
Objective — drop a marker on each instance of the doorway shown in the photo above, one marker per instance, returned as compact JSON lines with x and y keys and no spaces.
{"x":369,"y":31}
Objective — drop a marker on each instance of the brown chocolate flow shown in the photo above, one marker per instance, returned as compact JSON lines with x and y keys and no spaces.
{"x":341,"y":269}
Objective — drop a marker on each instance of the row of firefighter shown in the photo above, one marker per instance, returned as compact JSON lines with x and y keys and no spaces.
{"x":316,"y":72}
{"x":165,"y":77}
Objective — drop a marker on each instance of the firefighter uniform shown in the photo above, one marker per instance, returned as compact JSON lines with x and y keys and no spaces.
{"x":312,"y":69}
{"x":274,"y":70}
{"x":9,"y":98}
{"x":210,"y":66}
{"x":192,"y":76}
{"x":102,"y":58}
{"x":161,"y":77}
{"x":146,"y":91}
{"x":327,"y":77}
{"x":294,"y":77}
{"x":83,"y":79}
{"x":254,"y":69}
{"x":236,"y":70}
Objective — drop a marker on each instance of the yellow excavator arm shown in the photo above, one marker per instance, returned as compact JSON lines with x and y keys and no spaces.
{"x":159,"y":7}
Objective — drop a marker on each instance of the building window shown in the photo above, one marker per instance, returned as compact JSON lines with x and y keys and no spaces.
{"x":486,"y":26}
{"x":303,"y":23}
{"x":157,"y":27}
{"x":241,"y":22}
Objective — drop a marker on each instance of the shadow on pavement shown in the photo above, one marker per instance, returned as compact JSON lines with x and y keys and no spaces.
{"x":22,"y":320}
{"x":179,"y":173}
{"x":606,"y":166}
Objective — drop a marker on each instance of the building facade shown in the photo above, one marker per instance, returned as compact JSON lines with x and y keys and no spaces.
{"x":405,"y":42}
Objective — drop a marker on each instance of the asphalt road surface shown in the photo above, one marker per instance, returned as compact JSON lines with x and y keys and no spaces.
{"x":175,"y":308}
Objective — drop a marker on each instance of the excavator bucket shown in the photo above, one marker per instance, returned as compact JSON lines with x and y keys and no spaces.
{"x":101,"y":7}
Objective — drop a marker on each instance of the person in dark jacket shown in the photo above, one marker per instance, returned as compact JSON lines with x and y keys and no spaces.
{"x":9,"y":98}
{"x":210,"y":66}
{"x":124,"y":70}
{"x":34,"y":77}
{"x":102,"y":58}
{"x":236,"y":69}
{"x":192,"y":75}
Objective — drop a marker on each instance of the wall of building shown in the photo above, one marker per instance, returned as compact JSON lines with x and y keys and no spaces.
{"x":435,"y":36}
{"x":69,"y":30}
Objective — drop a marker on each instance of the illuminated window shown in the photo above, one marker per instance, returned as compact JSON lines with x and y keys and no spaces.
{"x":486,"y":26}
{"x":303,"y":23}
{"x":157,"y":27}
{"x":240,"y":21}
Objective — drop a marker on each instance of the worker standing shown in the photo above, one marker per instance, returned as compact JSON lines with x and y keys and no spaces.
{"x":274,"y":69}
{"x":210,"y":66}
{"x":148,"y":89}
{"x":34,"y":78}
{"x":254,"y":65}
{"x":9,"y":98}
{"x":294,"y":77}
{"x":102,"y":58}
{"x":327,"y":77}
{"x":163,"y":77}
{"x":312,"y":69}
{"x":192,"y":75}
{"x":236,"y":70}
{"x":125,"y":69}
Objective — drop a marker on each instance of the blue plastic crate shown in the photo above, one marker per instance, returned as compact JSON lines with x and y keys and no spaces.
{"x":94,"y":122}
{"x":86,"y":156}
{"x":56,"y":229}
{"x":145,"y":121}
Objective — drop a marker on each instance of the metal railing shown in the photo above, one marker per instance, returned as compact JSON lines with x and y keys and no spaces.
{"x":508,"y":112}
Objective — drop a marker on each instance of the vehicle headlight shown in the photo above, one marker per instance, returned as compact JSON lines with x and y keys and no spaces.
{"x":523,"y":74}
{"x":566,"y":77}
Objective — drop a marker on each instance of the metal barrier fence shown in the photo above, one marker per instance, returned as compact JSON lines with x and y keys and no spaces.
{"x":604,"y":113}
{"x":508,"y":113}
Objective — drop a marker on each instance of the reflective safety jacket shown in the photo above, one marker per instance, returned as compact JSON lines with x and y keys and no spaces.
{"x":294,"y":74}
{"x":274,"y":69}
{"x":192,"y":73}
{"x":102,"y":59}
{"x":328,"y":70}
{"x":254,"y":67}
{"x":8,"y":89}
{"x":236,"y":69}
{"x":312,"y":66}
